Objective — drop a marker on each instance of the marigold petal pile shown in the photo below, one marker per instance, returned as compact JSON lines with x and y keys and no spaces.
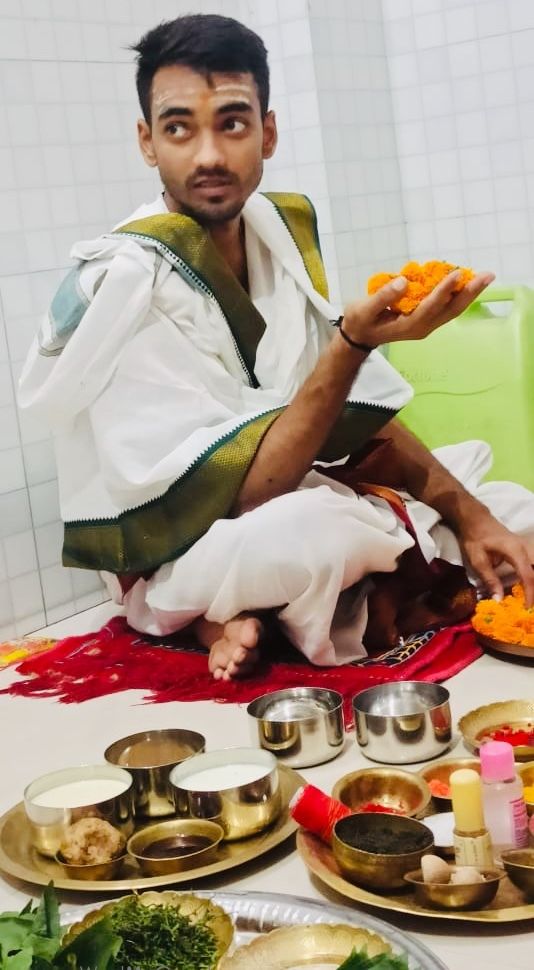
{"x":422,"y":279}
{"x":508,"y":620}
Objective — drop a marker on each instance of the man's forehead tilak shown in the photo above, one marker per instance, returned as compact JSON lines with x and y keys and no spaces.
{"x":220,"y":92}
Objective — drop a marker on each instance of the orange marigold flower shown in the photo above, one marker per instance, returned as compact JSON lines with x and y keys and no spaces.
{"x":422,"y":278}
{"x":508,"y":620}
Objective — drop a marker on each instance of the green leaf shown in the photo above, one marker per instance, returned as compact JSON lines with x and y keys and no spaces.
{"x":359,"y":960}
{"x":96,"y":947}
{"x":19,"y":961}
{"x":14,"y":933}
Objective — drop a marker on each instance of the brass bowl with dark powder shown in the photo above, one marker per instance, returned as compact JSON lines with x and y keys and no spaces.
{"x":175,"y":845}
{"x":377,"y":850}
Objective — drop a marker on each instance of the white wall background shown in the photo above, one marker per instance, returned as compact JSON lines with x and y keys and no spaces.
{"x":410,"y":123}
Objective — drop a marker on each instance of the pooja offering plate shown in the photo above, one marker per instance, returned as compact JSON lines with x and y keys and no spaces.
{"x":360,"y":845}
{"x":519,"y":864}
{"x":302,"y":726}
{"x":439,"y":773}
{"x":474,"y":895}
{"x":20,"y":858}
{"x":511,"y":721}
{"x":238,"y":788}
{"x":505,"y":648}
{"x":149,"y":756}
{"x":390,"y":788}
{"x":323,"y":944}
{"x":55,"y":800}
{"x":197,"y":910}
{"x":402,"y":722}
{"x":510,"y":904}
{"x":175,"y":846}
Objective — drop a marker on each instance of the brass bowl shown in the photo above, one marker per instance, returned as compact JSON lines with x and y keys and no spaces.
{"x":242,"y":809}
{"x":372,"y":869}
{"x":169,"y":829}
{"x":519,"y":864}
{"x":404,"y":791}
{"x":49,"y":823}
{"x":319,"y":943}
{"x":150,"y":756}
{"x":92,"y":870}
{"x":188,"y":904}
{"x":442,"y":771}
{"x":526,"y":773}
{"x":443,"y":895}
{"x":477,"y":726}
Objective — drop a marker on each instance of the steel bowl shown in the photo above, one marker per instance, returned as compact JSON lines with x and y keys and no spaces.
{"x":175,"y":828}
{"x":526,"y":773}
{"x":150,"y":756}
{"x":402,"y":722}
{"x":48,"y":825}
{"x":302,"y":726}
{"x":519,"y":864}
{"x":442,"y":771}
{"x":402,"y":791}
{"x":91,"y":870}
{"x":444,"y":895}
{"x":376,"y":870}
{"x":241,"y":808}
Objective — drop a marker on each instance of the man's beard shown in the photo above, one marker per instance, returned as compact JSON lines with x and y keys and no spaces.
{"x":211,"y":213}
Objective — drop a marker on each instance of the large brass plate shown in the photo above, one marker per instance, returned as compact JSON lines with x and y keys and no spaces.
{"x":19,"y":858}
{"x":509,"y":906}
{"x":480,"y":722}
{"x":504,"y":648}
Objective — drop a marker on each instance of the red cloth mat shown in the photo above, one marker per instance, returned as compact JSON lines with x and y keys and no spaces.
{"x":116,"y":658}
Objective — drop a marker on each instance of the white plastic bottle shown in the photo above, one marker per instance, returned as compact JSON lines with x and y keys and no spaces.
{"x":505,"y":812}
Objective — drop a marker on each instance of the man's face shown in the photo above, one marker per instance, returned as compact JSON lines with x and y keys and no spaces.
{"x":208,"y":140}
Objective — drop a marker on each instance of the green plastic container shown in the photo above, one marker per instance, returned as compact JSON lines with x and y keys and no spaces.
{"x":474,"y":378}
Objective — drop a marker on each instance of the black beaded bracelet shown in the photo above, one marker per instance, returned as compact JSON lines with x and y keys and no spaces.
{"x":365,"y":348}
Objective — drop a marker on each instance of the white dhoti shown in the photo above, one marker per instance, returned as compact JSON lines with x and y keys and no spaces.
{"x":299,"y":552}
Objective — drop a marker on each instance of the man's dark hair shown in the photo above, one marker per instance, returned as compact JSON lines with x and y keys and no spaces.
{"x":206,"y":43}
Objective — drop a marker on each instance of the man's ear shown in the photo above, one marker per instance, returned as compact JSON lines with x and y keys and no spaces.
{"x":270,"y":135}
{"x":144,"y":135}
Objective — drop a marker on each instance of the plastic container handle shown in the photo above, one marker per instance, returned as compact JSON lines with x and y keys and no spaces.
{"x":498,"y":294}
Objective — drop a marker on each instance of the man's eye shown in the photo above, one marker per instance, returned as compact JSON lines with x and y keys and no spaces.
{"x":176,"y":128}
{"x":234,"y":125}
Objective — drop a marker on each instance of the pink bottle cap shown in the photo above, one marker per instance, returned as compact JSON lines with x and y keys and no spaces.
{"x":497,"y":761}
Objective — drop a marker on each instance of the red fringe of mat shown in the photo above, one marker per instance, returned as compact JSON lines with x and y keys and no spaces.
{"x":116,"y":659}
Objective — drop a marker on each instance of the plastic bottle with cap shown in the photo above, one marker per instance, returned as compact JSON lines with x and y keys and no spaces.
{"x":505,"y":811}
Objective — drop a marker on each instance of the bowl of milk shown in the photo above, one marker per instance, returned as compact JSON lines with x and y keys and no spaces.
{"x":239,"y":788}
{"x":56,"y":800}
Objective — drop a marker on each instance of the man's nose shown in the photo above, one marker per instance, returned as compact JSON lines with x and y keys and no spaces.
{"x":209,"y":152}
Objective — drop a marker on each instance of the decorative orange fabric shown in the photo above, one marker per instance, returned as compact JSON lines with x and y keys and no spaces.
{"x":422,"y":279}
{"x":508,"y":620}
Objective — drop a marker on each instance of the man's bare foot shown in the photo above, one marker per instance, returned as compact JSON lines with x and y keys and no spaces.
{"x":233,"y":646}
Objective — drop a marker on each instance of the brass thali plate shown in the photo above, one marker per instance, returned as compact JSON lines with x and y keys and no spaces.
{"x":509,"y":906}
{"x":19,"y":858}
{"x":324,"y":945}
{"x":506,"y":648}
{"x":478,"y":724}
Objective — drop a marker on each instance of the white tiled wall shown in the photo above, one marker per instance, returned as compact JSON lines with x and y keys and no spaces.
{"x":462,"y":84}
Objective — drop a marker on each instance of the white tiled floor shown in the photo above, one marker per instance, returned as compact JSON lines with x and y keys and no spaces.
{"x":84,"y":622}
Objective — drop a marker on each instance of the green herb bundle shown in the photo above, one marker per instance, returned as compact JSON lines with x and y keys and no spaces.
{"x":359,"y":960}
{"x":157,"y":936}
